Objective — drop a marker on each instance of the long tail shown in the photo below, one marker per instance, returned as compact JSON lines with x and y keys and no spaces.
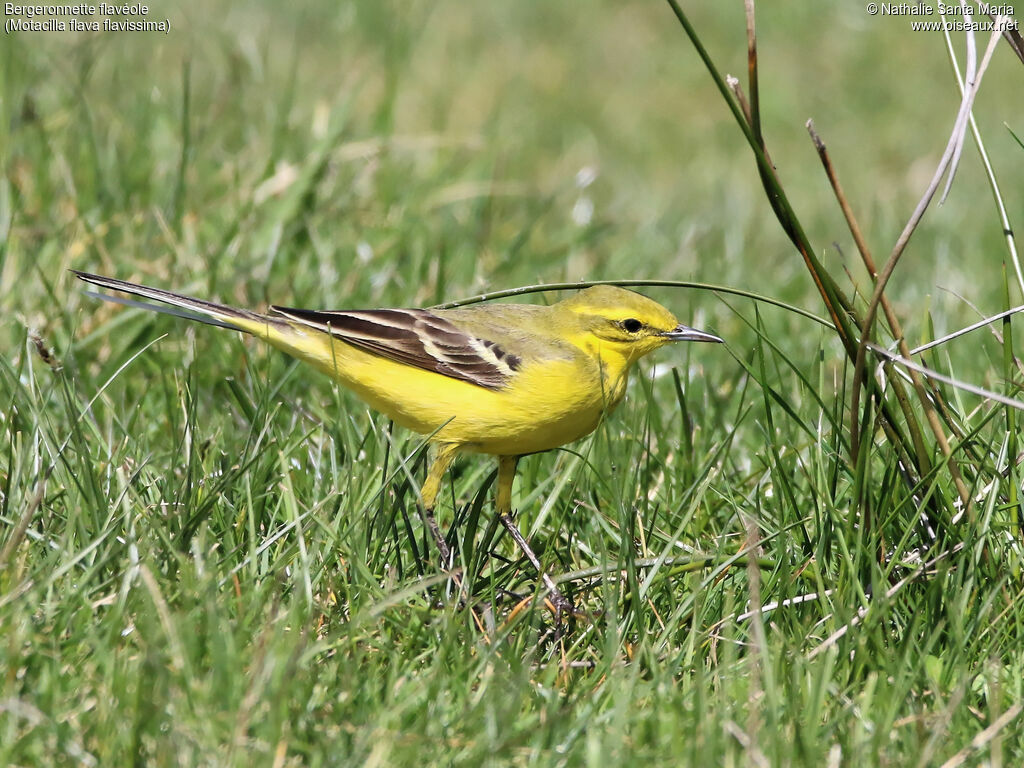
{"x":183,"y":306}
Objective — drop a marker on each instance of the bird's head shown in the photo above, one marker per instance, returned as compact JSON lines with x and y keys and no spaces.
{"x":626,"y":323}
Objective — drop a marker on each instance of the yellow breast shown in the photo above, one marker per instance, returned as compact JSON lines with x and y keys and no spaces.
{"x":547,"y":403}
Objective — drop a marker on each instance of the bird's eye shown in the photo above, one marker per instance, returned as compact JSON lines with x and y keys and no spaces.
{"x":631,"y":325}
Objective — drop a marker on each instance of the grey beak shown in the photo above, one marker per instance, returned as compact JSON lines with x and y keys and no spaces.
{"x":685,"y":333}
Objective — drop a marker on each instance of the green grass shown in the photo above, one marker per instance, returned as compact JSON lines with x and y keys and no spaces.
{"x":212,"y":556}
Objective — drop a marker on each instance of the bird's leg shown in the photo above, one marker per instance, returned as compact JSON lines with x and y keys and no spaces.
{"x":506,"y":474}
{"x":443,"y":458}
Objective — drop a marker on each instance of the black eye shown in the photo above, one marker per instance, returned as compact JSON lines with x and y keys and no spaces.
{"x":631,"y":325}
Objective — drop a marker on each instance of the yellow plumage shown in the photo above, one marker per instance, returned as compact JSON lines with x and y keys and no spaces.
{"x":502,"y":379}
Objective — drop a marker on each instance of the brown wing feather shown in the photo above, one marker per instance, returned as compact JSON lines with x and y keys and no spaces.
{"x":418,"y":338}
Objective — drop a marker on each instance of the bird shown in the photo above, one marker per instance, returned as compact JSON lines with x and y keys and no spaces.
{"x":505,"y":380}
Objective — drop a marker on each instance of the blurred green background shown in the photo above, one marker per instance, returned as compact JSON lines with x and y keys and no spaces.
{"x":448,"y":137}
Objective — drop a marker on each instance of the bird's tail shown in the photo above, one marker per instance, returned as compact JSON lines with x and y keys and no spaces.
{"x":187,"y":307}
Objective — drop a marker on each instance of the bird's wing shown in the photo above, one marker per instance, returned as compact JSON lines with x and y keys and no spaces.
{"x":419,"y":338}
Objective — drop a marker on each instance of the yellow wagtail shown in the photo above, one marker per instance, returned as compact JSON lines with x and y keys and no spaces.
{"x":501,"y":379}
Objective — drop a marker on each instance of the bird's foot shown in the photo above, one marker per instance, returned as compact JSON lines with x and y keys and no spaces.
{"x":559,"y":604}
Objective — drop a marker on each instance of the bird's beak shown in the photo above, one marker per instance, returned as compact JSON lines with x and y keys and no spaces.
{"x":685,"y":333}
